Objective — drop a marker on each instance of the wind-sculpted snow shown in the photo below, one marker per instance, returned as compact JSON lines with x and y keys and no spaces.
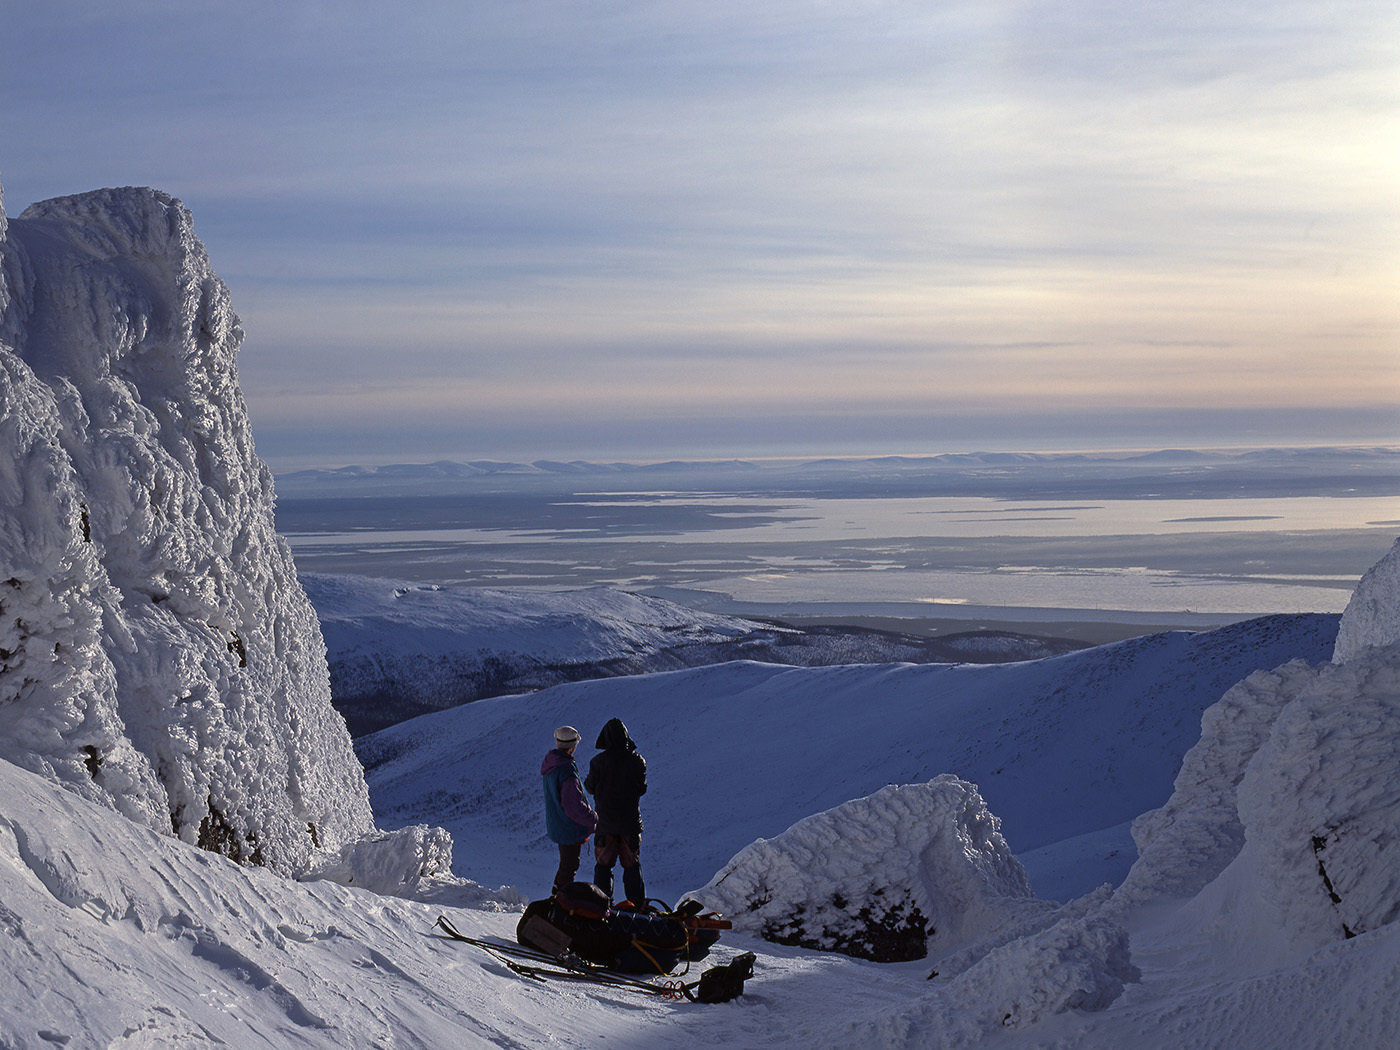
{"x":909,"y":870}
{"x":1294,"y":791}
{"x":158,"y":652}
{"x":1072,"y":965}
{"x":1372,"y":616}
{"x":393,"y":863}
{"x":113,"y":936}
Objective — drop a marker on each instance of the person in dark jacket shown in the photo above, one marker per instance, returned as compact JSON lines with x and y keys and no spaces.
{"x":568,"y":817}
{"x":617,"y":780}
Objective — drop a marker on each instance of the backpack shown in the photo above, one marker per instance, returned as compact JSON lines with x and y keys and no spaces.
{"x":576,"y":920}
{"x":719,"y":984}
{"x":583,"y":900}
{"x":702,"y":931}
{"x":656,"y":942}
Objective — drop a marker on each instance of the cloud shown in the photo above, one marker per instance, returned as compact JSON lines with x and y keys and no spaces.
{"x":723,"y":208}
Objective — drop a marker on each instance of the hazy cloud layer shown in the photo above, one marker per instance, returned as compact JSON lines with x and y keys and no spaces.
{"x":616,"y":228}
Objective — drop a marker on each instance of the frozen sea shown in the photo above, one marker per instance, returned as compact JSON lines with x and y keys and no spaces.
{"x":1186,"y":541}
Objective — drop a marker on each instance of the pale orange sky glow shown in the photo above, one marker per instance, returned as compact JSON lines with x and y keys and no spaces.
{"x":703,"y":230}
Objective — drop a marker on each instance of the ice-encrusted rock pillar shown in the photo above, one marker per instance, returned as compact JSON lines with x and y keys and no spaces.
{"x":156,"y":650}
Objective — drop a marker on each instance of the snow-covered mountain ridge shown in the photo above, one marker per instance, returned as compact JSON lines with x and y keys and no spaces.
{"x":399,"y":649}
{"x":1107,"y":726}
{"x":159,"y":656}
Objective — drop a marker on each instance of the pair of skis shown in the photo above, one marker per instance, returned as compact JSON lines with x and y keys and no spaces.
{"x":543,"y":966}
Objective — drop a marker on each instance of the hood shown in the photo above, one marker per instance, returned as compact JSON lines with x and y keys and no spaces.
{"x":554,"y":760}
{"x":614,"y":735}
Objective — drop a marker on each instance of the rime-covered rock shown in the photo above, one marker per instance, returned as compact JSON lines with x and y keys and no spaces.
{"x":910,"y":869}
{"x":1320,"y":804}
{"x":157,"y":653}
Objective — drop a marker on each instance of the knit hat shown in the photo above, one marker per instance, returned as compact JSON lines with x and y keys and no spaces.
{"x":566,"y":736}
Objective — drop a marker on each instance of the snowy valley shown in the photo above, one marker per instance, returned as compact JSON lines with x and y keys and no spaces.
{"x":1182,"y":840}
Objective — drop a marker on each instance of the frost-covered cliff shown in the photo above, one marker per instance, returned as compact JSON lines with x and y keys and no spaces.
{"x":157,"y":653}
{"x":1286,"y":814}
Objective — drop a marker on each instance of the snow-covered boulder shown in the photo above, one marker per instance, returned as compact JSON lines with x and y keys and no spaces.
{"x":157,"y":653}
{"x":909,"y":870}
{"x":392,"y":863}
{"x":1372,"y":616}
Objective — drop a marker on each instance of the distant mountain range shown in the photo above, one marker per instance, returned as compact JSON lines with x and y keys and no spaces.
{"x":1373,"y":455}
{"x":1167,"y":473}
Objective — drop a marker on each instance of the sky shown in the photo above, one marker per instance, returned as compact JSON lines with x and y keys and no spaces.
{"x":613,"y":229}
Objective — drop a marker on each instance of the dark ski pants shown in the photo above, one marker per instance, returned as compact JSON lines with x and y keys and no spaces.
{"x":607,"y":851}
{"x":569,"y":855}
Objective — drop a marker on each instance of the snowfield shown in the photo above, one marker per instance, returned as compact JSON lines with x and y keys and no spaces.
{"x":1067,"y":751}
{"x":188,"y":855}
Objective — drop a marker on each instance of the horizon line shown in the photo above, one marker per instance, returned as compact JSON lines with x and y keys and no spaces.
{"x":755,"y":460}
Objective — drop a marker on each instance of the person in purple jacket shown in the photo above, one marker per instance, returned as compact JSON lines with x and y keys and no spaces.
{"x":568,"y":817}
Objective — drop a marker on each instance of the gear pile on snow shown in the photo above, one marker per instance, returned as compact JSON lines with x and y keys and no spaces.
{"x":578,"y":935}
{"x":644,"y":938}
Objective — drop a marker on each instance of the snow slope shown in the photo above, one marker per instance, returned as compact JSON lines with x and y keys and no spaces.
{"x":740,"y":751}
{"x":114,"y":936}
{"x":157,"y":654}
